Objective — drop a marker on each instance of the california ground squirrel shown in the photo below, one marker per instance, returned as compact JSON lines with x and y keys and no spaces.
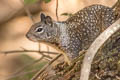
{"x":77,"y":32}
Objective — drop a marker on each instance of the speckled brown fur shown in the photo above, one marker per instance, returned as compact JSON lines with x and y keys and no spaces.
{"x":77,"y":32}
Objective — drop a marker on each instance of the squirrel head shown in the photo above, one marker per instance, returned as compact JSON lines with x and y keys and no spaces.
{"x":43,"y":31}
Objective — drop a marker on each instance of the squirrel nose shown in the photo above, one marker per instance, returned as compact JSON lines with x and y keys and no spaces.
{"x":31,"y":37}
{"x":28,"y":35}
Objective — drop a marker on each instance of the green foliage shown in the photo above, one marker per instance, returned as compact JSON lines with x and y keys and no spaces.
{"x":33,"y":1}
{"x":67,"y":14}
{"x":29,"y":1}
{"x":46,"y":1}
{"x":27,"y":59}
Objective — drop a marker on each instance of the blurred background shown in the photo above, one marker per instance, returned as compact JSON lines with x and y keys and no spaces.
{"x":14,"y":24}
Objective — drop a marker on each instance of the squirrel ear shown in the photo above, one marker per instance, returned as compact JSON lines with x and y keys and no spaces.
{"x":48,"y":19}
{"x":42,"y":17}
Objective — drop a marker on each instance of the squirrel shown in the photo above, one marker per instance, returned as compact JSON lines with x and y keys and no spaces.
{"x":77,"y":32}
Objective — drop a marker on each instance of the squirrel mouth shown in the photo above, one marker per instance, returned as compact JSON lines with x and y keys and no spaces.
{"x":32,"y":38}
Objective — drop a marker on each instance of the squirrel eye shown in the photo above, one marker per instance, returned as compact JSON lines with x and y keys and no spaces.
{"x":39,"y":29}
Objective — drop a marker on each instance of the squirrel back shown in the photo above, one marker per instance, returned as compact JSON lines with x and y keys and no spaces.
{"x":77,"y":32}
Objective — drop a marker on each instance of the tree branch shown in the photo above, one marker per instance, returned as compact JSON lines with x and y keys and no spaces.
{"x":45,"y":67}
{"x":100,"y":40}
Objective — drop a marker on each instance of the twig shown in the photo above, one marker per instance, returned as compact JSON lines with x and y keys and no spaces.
{"x":57,"y":10}
{"x":43,"y":69}
{"x":19,"y":51}
{"x":19,"y":72}
{"x":27,"y":11}
{"x":116,"y":4}
{"x":39,"y":46}
{"x":100,"y":40}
